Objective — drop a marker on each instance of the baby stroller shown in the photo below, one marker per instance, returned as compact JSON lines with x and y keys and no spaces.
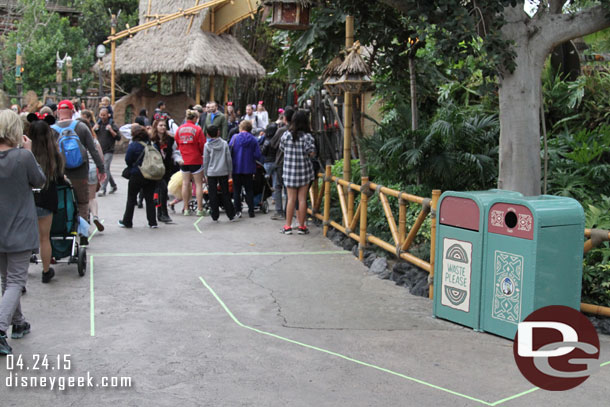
{"x":262,"y":188}
{"x":64,"y":232}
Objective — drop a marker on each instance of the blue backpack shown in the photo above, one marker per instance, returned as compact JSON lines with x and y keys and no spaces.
{"x":70,"y":145}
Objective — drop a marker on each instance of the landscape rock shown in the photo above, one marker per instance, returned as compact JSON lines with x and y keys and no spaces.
{"x":379,"y":265}
{"x":601,"y":324}
{"x":370,"y":258}
{"x":349,"y":243}
{"x":421,"y":288}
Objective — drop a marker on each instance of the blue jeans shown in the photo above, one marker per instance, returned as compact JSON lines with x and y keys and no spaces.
{"x":271,"y":170}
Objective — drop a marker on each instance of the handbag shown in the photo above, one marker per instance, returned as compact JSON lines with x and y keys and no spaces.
{"x":126,"y":173}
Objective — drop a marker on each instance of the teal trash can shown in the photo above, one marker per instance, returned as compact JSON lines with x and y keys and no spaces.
{"x":533,"y":258}
{"x":461,"y":221}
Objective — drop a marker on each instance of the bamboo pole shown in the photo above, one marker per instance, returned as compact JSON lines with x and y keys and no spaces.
{"x":188,"y":30}
{"x":163,"y":19}
{"x":436,"y":193}
{"x":363,"y":209}
{"x":413,"y":232}
{"x":212,"y":95}
{"x":197,"y":88}
{"x":405,"y":256}
{"x":390,"y":217}
{"x":319,"y":197}
{"x":327,"y":198}
{"x":143,"y":81}
{"x":350,"y":205}
{"x":355,"y":219}
{"x":174,"y":80}
{"x":347,"y":114}
{"x":402,"y":220}
{"x":595,"y":309}
{"x":343,"y":205}
{"x":313,"y":194}
{"x":113,"y":22}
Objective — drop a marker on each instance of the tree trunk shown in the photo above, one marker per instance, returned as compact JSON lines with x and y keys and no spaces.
{"x":520,"y":123}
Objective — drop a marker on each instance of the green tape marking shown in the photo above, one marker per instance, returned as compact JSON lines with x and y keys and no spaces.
{"x":605,"y":363}
{"x":515,"y":396}
{"x":228,"y":311}
{"x":92,"y":303}
{"x":197,"y":224}
{"x":94,"y":232}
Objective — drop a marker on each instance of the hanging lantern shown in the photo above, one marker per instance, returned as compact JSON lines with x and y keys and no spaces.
{"x":331,"y":76}
{"x":354,"y":73}
{"x":290,"y":14}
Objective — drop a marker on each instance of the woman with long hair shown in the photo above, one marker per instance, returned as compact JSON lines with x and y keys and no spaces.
{"x":190,"y":140}
{"x":134,"y":158}
{"x":51,"y":161}
{"x":232,"y":118}
{"x":86,"y":116}
{"x":164,"y":142}
{"x":18,"y":230}
{"x":298,"y":146}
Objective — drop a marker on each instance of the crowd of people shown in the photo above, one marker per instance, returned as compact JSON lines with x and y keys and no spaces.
{"x":208,"y":154}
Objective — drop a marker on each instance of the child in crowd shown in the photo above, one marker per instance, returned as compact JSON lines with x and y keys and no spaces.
{"x":217,"y":167}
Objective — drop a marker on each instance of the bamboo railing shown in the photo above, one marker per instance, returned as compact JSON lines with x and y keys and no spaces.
{"x":352,"y":218}
{"x":354,"y":222}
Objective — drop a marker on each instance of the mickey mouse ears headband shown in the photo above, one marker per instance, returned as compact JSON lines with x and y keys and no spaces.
{"x":48,"y":118}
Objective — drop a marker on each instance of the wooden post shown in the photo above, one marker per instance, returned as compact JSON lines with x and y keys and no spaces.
{"x":363,"y":212}
{"x":327,"y":176}
{"x":225,"y":99}
{"x":347,"y":115}
{"x":159,"y":80}
{"x":197,"y":88}
{"x":143,"y":80}
{"x":436,"y":194}
{"x":212,"y":95}
{"x":351,"y":197}
{"x":113,"y":23}
{"x":174,"y":80}
{"x":402,"y":220}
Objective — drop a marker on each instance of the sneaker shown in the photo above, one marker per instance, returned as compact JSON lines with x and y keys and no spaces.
{"x":251,"y":214}
{"x":113,"y":190}
{"x":153,"y":226}
{"x":200,"y":212}
{"x":172,"y":207}
{"x":101,"y":193}
{"x":215,"y":220}
{"x":140,"y":204}
{"x":98,"y":224}
{"x":164,"y":218}
{"x":46,"y":277}
{"x":287,"y":230}
{"x":122,"y":225}
{"x":302,"y":230}
{"x":5,"y":349}
{"x":19,"y":331}
{"x":238,"y":214}
{"x":186,"y":212}
{"x":278,"y":216}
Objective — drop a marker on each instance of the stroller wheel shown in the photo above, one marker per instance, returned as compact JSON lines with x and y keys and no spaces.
{"x":265,"y":207}
{"x":82,"y":261}
{"x":193,"y":205}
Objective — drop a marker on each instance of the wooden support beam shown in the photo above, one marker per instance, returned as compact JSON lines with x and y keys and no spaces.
{"x":174,"y":80}
{"x":212,"y":94}
{"x":159,"y":79}
{"x":197,"y":88}
{"x":113,"y":23}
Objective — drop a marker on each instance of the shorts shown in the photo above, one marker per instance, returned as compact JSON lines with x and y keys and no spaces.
{"x":191,"y":169}
{"x":92,"y":180}
{"x":42,"y":212}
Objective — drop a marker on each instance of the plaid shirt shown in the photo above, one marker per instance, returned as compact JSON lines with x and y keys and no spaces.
{"x":298,"y":170}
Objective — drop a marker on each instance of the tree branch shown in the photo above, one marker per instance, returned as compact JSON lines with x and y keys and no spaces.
{"x":397,"y":4}
{"x":557,"y":29}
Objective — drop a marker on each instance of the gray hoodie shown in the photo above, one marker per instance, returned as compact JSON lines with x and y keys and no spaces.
{"x":217,"y":158}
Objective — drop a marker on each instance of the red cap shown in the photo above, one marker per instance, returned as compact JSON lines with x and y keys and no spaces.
{"x":260,"y":102}
{"x":65,"y":104}
{"x":229,"y":103}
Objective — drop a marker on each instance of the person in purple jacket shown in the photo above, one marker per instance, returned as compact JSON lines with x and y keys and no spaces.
{"x":244,"y":152}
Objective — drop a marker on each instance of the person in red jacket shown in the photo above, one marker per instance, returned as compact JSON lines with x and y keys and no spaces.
{"x":190,"y":140}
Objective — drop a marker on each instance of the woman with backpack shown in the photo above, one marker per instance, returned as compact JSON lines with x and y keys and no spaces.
{"x":298,"y":146}
{"x":51,"y":161}
{"x":164,"y":142}
{"x":134,"y":157}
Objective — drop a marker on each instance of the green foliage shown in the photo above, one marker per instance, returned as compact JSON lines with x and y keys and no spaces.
{"x":42,"y":34}
{"x":95,"y":18}
{"x":596,"y":266}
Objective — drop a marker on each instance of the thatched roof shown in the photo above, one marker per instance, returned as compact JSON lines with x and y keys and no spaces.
{"x":171,"y":48}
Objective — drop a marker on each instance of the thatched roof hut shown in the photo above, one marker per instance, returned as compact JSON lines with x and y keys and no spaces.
{"x":174,"y":48}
